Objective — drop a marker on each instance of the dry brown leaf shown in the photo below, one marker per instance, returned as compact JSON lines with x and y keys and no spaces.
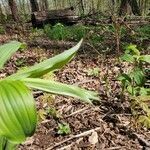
{"x":93,"y":139}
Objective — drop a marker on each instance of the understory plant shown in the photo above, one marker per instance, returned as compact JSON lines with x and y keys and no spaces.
{"x":134,"y":82}
{"x":18,"y":115}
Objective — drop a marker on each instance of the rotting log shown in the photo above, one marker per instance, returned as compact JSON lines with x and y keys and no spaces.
{"x":66,"y":16}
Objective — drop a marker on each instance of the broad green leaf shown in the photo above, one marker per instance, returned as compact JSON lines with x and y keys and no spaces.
{"x":128,"y":58}
{"x":3,"y":142}
{"x":145,"y":58}
{"x":124,"y":77}
{"x":7,"y":50}
{"x":60,"y":88}
{"x":138,"y":76}
{"x":144,"y":91}
{"x":133,"y":90}
{"x":6,"y":144}
{"x":48,"y":65}
{"x":17,"y":111}
{"x":132,"y":49}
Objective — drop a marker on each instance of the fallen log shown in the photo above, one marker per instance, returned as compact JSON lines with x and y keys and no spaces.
{"x":66,"y":16}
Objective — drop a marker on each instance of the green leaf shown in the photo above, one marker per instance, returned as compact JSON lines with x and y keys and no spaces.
{"x":133,"y":90}
{"x":128,"y":58}
{"x":7,"y":50}
{"x":48,"y":65}
{"x":3,"y":142}
{"x":138,"y":76}
{"x":144,"y":91}
{"x":60,"y":88}
{"x":17,"y":111}
{"x":145,"y":58}
{"x":132,"y":49}
{"x":63,"y":129}
{"x":124,"y":77}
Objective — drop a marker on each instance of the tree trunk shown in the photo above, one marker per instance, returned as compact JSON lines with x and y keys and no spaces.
{"x":14,"y":10}
{"x":2,"y":16}
{"x":34,"y":5}
{"x":124,"y":7}
{"x":45,"y":4}
{"x":135,"y":7}
{"x":82,"y":6}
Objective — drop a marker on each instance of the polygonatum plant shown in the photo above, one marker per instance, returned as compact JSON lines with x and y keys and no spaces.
{"x":134,"y":82}
{"x":18,"y":115}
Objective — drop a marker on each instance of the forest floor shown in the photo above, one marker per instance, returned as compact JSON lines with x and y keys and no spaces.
{"x":108,"y":125}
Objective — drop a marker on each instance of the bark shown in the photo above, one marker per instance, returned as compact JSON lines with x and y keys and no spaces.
{"x":124,"y":7}
{"x":45,"y":4}
{"x":135,"y":7}
{"x":34,"y":5}
{"x":2,"y":16}
{"x":14,"y":10}
{"x":82,"y":6}
{"x":65,"y":16}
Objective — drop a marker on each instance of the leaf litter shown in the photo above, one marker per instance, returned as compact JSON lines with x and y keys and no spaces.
{"x":108,"y":125}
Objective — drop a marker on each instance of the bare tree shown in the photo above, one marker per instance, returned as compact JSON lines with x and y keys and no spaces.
{"x":34,"y":5}
{"x":14,"y":10}
{"x":132,"y":3}
{"x":45,"y":4}
{"x":82,"y":6}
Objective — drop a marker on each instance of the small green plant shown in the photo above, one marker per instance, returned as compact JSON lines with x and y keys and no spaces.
{"x":93,"y":72}
{"x":61,"y":32}
{"x":134,"y":80}
{"x":20,"y":62}
{"x":51,"y":111}
{"x":2,"y":30}
{"x":143,"y":32}
{"x":18,"y":116}
{"x":78,"y":32}
{"x":63,"y":129}
{"x":57,"y":32}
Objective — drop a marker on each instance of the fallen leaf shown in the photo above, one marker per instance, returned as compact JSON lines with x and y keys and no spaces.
{"x":93,"y":139}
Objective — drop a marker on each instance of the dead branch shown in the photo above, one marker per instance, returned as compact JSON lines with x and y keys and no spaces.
{"x":73,"y":137}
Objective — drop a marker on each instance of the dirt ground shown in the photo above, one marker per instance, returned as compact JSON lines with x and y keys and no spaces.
{"x":107,"y":125}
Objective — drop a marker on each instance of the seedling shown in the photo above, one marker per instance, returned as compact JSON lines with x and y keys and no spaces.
{"x":51,"y":111}
{"x":63,"y":129}
{"x":93,"y":72}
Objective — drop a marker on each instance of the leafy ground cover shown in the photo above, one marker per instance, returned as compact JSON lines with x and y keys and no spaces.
{"x":106,"y":125}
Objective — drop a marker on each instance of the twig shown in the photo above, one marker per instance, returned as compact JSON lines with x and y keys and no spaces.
{"x":114,"y":148}
{"x":74,"y":136}
{"x":76,"y":112}
{"x":93,"y":48}
{"x":142,"y":141}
